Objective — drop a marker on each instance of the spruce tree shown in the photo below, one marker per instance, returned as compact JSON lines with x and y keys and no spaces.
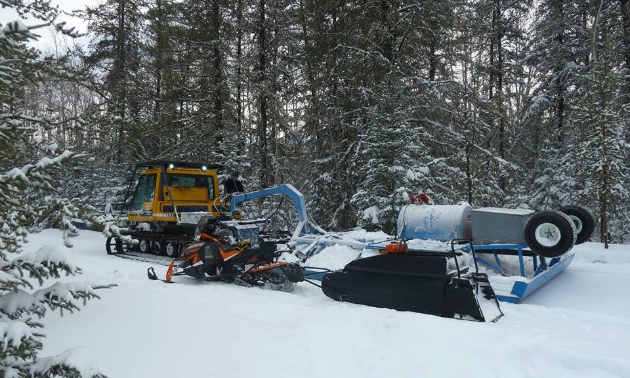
{"x":115,"y":51}
{"x":600,"y":151}
{"x":559,"y":51}
{"x":28,"y":198}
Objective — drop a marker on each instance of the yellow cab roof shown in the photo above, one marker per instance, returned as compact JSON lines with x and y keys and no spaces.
{"x":200,"y":169}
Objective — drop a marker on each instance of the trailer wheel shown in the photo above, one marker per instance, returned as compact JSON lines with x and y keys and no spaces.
{"x":172,"y":250}
{"x":583,"y":219}
{"x":550,"y":233}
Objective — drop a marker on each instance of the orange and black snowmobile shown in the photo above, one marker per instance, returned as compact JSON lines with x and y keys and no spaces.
{"x":215,"y":257}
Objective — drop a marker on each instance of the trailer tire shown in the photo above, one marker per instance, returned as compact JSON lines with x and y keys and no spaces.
{"x":583,"y":219}
{"x":550,"y":233}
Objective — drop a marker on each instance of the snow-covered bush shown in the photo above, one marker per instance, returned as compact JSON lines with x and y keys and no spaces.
{"x":28,"y":286}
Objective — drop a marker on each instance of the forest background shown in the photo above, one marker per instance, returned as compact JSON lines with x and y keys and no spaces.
{"x":494,"y":102}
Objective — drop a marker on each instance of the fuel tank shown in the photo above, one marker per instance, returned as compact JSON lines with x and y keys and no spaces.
{"x":437,"y":222}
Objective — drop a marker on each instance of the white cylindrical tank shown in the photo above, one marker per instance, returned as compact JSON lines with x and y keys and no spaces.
{"x":437,"y":222}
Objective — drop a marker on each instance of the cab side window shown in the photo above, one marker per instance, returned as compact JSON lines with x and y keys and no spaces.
{"x":144,"y":191}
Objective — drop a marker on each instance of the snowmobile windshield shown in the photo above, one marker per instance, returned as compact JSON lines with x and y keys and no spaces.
{"x":192,"y":181}
{"x":144,"y":191}
{"x":203,"y":222}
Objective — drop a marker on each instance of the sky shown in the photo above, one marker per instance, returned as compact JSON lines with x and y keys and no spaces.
{"x":46,"y":41}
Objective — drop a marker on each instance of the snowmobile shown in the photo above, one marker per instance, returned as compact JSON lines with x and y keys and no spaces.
{"x":215,"y":256}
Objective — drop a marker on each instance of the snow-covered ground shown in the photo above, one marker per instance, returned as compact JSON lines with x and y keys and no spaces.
{"x":578,"y":325}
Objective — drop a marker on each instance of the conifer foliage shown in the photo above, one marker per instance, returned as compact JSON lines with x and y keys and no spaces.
{"x":493,"y":102}
{"x":28,"y":287}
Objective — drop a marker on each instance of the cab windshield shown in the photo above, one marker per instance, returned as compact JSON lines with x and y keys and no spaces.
{"x":192,"y":181}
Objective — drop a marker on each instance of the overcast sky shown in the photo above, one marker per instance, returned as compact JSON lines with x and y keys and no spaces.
{"x":45,"y":43}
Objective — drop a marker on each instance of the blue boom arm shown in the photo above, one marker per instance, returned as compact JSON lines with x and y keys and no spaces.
{"x":285,"y":189}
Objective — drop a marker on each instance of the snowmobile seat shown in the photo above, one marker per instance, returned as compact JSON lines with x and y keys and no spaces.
{"x":264,"y":253}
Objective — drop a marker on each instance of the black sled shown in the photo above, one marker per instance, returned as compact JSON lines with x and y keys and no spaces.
{"x":418,"y":282}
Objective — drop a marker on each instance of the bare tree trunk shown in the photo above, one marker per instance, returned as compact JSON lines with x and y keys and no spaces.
{"x":218,"y":101}
{"x":239,"y":74}
{"x":499,"y":72}
{"x":560,"y":84}
{"x":492,"y":56}
{"x":625,"y":23}
{"x":121,"y":77}
{"x":605,"y":189}
{"x":159,"y":64}
{"x":432,"y":59}
{"x":262,"y":100}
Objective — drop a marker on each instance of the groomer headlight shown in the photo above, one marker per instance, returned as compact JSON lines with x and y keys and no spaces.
{"x":171,"y":166}
{"x":204,"y":168}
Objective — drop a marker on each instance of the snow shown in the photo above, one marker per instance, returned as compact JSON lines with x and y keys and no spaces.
{"x":596,"y":278}
{"x":34,"y":169}
{"x":578,"y":325}
{"x":365,"y":236}
{"x":14,"y":174}
{"x":334,"y":257}
{"x":14,"y":303}
{"x":501,"y":210}
{"x":12,"y":333}
{"x":51,"y":253}
{"x":371,"y":213}
{"x":79,"y":358}
{"x":15,"y":26}
{"x":429,"y":245}
{"x":417,"y":173}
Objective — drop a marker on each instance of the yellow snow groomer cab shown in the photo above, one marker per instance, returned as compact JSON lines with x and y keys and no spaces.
{"x":175,"y":193}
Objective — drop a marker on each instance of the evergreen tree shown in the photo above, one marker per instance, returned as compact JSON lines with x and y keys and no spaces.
{"x":600,"y":151}
{"x":27,"y":161}
{"x":391,"y":155}
{"x":330,"y":129}
{"x":476,"y":100}
{"x":115,"y":51}
{"x":559,"y":51}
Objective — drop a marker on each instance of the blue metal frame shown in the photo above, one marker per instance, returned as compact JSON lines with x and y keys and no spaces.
{"x":303,"y":228}
{"x":498,"y":267}
{"x":543,"y":272}
{"x":313,"y":275}
{"x":522,"y":289}
{"x":286,"y":189}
